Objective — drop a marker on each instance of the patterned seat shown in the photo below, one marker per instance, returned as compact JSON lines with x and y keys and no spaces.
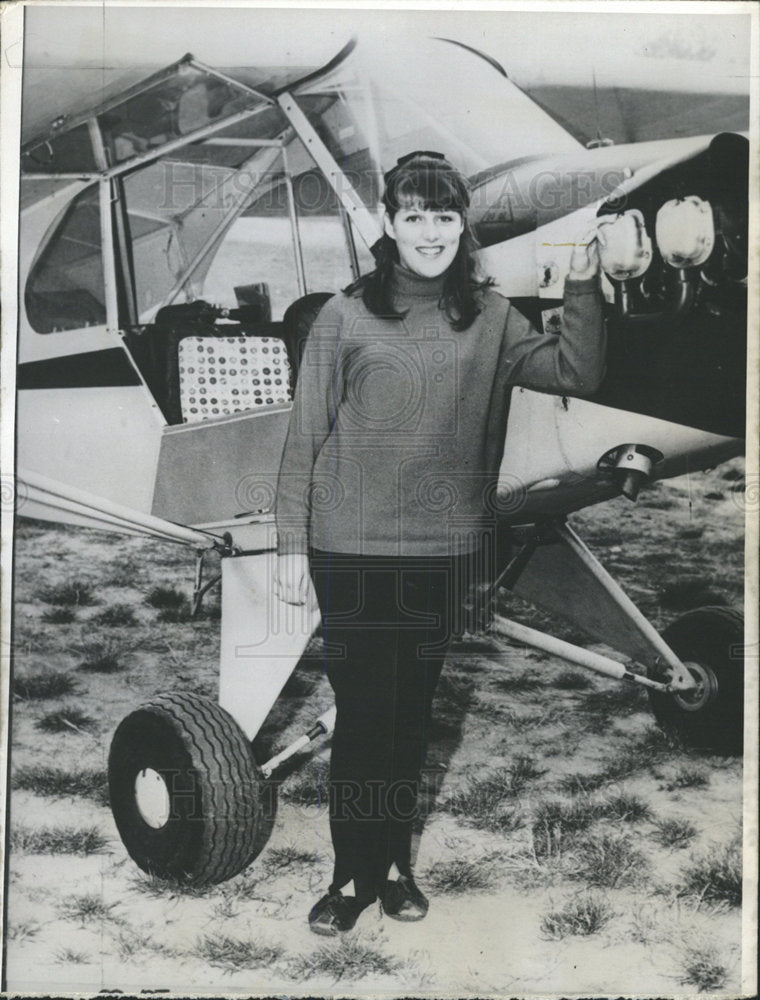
{"x":222,"y":375}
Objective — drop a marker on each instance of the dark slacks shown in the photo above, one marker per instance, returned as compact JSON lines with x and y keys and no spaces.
{"x":387,"y":625}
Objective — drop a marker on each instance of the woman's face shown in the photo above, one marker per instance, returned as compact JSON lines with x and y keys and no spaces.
{"x":427,"y":239}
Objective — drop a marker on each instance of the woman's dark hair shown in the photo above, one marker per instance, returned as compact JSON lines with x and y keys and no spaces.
{"x":429,"y":181}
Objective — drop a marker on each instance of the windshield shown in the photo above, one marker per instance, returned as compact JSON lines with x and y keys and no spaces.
{"x":380,"y":104}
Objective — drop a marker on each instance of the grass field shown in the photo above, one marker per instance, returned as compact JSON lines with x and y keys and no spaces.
{"x":568,"y":846}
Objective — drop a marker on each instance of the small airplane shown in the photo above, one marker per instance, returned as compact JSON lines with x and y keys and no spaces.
{"x":178,"y":238}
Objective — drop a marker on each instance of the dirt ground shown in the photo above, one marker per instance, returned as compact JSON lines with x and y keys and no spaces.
{"x":569,"y":847}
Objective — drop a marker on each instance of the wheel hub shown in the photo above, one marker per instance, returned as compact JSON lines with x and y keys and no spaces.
{"x":152,"y":798}
{"x":706,"y":689}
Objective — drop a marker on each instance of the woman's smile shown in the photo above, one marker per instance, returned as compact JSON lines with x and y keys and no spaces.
{"x":427,"y":240}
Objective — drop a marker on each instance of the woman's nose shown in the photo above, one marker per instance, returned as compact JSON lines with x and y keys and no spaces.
{"x":430,"y":230}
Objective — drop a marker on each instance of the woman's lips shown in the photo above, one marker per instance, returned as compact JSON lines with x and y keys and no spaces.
{"x":430,"y":251}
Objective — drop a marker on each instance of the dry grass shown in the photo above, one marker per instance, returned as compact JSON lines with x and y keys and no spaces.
{"x":232,"y":954}
{"x":609,"y":861}
{"x":87,"y":908}
{"x":288,"y":858}
{"x":39,"y":687}
{"x":59,"y":782}
{"x":702,"y":966}
{"x":71,"y":593}
{"x":349,"y":959}
{"x":584,"y":915}
{"x":308,"y":786}
{"x":675,"y":833}
{"x":117,"y":615}
{"x":556,"y":825}
{"x":572,"y":680}
{"x":59,"y":616}
{"x":84,"y":840}
{"x":488,"y":803}
{"x":66,"y":720}
{"x":714,"y":877}
{"x":166,"y":597}
{"x":102,"y":657}
{"x":689,"y":776}
{"x":460,"y":875}
{"x":626,"y":807}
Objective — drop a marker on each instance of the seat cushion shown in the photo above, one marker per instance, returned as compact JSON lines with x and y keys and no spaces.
{"x":221,"y":375}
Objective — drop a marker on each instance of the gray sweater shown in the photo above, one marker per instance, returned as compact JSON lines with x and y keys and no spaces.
{"x":398,"y":426}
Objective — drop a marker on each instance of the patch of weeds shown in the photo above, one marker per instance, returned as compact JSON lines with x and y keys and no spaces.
{"x":162,"y":888}
{"x":101,"y":658}
{"x":83,"y":840}
{"x":44,"y":780}
{"x":66,"y":720}
{"x":486,"y":803}
{"x":518,"y":683}
{"x":688,"y":776}
{"x":38,"y":687}
{"x":124,"y":572}
{"x":617,"y":701}
{"x":460,"y":875}
{"x":691,"y":592}
{"x":230,"y":953}
{"x":22,"y":931}
{"x":715,"y":495}
{"x":584,"y":915}
{"x":117,"y":614}
{"x":308,"y":787}
{"x":626,"y":807}
{"x":676,"y":833}
{"x":609,"y":862}
{"x":657,"y":503}
{"x":166,"y":597}
{"x":571,"y":680}
{"x":714,"y":877}
{"x":556,"y":825}
{"x":59,"y":616}
{"x":72,"y":593}
{"x":86,"y":907}
{"x":701,"y":966}
{"x":69,"y":955}
{"x":179,"y":615}
{"x":279,"y":859}
{"x":349,"y":959}
{"x":580,"y":783}
{"x":645,"y":925}
{"x":691,"y":532}
{"x":133,"y":942}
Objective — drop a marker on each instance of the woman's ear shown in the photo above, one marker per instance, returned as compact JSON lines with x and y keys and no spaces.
{"x":388,"y":226}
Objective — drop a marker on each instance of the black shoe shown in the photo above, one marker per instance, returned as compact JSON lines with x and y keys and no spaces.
{"x":402,"y":900}
{"x":333,"y":914}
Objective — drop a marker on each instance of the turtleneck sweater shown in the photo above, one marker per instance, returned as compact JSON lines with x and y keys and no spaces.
{"x":398,"y":425}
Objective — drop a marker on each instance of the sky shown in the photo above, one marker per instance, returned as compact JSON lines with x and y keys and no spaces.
{"x":688,"y":50}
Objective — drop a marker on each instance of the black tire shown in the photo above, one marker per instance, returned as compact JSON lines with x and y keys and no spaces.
{"x":710,"y":642}
{"x":216,"y":811}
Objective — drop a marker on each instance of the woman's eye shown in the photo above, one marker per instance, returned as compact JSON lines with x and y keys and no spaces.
{"x":445,"y":218}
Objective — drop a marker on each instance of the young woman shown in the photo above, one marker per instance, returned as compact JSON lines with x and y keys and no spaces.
{"x":385,"y":498}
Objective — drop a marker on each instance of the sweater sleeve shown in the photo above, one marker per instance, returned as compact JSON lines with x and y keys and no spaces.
{"x":574,"y":361}
{"x":311,"y":421}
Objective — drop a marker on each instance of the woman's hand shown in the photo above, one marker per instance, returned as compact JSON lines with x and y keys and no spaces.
{"x":291,"y":578}
{"x":584,"y":260}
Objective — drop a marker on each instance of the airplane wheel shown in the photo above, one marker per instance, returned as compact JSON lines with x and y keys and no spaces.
{"x":709,"y":641}
{"x":186,"y":795}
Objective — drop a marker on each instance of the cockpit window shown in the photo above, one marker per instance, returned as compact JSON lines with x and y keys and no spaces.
{"x":65,"y":289}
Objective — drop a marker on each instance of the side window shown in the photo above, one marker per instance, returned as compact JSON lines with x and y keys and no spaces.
{"x":65,"y":288}
{"x":259,"y":247}
{"x":256,"y":250}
